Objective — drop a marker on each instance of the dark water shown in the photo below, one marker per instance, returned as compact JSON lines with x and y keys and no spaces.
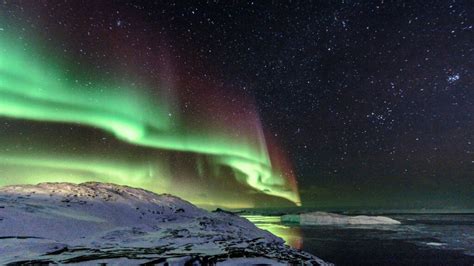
{"x":419,"y":240}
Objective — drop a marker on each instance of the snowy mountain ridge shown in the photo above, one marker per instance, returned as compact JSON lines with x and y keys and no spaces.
{"x":97,"y":222}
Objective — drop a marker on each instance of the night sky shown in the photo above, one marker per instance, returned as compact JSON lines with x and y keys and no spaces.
{"x":370,"y":102}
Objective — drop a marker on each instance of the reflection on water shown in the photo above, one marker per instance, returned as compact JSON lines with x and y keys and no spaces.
{"x":291,"y":235}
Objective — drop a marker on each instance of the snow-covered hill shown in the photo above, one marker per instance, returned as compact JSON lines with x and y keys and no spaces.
{"x":97,"y":222}
{"x":325,"y":218}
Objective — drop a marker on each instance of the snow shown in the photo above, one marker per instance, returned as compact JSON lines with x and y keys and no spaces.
{"x":247,"y":261}
{"x":97,"y":222}
{"x":324,"y":218}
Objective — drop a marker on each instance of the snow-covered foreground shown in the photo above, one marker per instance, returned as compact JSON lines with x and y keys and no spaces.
{"x":96,"y":223}
{"x":324,"y":218}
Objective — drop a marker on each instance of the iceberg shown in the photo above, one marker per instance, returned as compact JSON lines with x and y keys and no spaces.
{"x":325,"y":218}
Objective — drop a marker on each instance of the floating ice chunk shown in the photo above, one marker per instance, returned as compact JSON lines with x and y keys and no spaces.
{"x":435,"y":244}
{"x":324,"y":218}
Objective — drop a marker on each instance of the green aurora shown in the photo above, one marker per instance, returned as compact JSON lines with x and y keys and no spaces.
{"x":35,"y":88}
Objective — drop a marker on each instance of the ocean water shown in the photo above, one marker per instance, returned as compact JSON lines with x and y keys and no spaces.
{"x":421,"y":239}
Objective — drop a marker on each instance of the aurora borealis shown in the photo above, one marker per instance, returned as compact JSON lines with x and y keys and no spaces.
{"x":349,"y":104}
{"x":35,"y":88}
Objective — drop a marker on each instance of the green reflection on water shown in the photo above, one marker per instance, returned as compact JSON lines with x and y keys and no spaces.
{"x":291,"y":235}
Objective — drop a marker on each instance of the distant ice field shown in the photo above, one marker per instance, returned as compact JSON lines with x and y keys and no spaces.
{"x":419,"y":239}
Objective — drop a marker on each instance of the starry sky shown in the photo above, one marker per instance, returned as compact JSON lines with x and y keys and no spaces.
{"x":368,"y":103}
